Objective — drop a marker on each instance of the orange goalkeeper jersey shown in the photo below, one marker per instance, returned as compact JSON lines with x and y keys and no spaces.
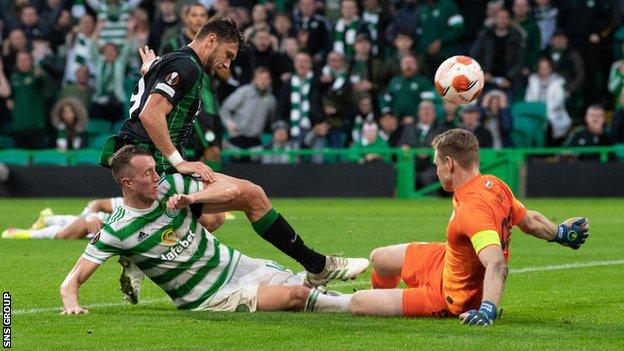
{"x":484,"y":211}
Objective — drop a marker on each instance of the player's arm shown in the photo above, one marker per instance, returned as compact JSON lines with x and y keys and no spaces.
{"x":219,"y":192}
{"x":572,"y":232}
{"x":493,"y":282}
{"x":71,"y":285}
{"x":154,"y":119}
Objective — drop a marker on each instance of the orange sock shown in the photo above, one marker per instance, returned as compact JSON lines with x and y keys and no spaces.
{"x":380,"y":282}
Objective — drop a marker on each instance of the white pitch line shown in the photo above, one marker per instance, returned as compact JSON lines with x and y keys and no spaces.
{"x":341,"y":284}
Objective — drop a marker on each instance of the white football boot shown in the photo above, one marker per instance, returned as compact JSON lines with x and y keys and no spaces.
{"x":130,"y":280}
{"x":342,"y":268}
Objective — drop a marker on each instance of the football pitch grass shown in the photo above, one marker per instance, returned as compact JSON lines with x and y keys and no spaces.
{"x":555,"y":297}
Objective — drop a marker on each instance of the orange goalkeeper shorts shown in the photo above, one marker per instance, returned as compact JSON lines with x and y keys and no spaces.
{"x":422,"y":273}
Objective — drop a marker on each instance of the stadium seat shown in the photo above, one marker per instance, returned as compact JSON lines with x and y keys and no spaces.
{"x":98,"y":141}
{"x":529,"y":124}
{"x":84,"y":157}
{"x":15,"y":157}
{"x":99,"y":126}
{"x":50,"y":157}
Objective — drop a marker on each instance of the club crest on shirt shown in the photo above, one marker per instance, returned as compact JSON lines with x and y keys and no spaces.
{"x":172,"y":79}
{"x":172,"y":213}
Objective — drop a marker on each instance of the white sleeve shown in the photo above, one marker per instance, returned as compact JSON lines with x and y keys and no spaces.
{"x":102,"y":247}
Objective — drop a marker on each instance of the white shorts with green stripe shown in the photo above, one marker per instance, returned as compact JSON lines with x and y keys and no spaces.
{"x":241,"y":292}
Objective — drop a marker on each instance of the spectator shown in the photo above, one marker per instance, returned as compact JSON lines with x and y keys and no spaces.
{"x":364,"y":114}
{"x":616,"y":82}
{"x":530,"y":33}
{"x":470,"y":117}
{"x":247,"y":111}
{"x":588,"y":24}
{"x":28,"y":103}
{"x":367,"y":150}
{"x":5,"y":92}
{"x":363,"y":68}
{"x":405,"y":92}
{"x":78,"y":45}
{"x":439,"y":28}
{"x":546,"y":17}
{"x":592,"y":134}
{"x":30,"y":24}
{"x":60,"y":23}
{"x":548,"y":87}
{"x":617,"y":125}
{"x":405,"y":17}
{"x":290,"y":47}
{"x":259,"y":20}
{"x":279,"y":144}
{"x":262,"y":54}
{"x":491,"y":11}
{"x":337,"y":100}
{"x":499,"y":51}
{"x":282,"y":28}
{"x":166,"y":18}
{"x":301,"y":106}
{"x":449,"y":120}
{"x":403,"y":43}
{"x":474,"y":13}
{"x":347,"y":29}
{"x":497,"y":118}
{"x":113,"y":16}
{"x":569,"y":64}
{"x":420,"y":133}
{"x":313,"y":32}
{"x":14,"y":43}
{"x":110,"y":70}
{"x":45,"y":58}
{"x":69,"y":119}
{"x":80,"y":89}
{"x":376,"y":20}
{"x":139,"y":26}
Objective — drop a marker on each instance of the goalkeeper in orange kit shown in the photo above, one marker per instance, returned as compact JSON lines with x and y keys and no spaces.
{"x":464,"y":276}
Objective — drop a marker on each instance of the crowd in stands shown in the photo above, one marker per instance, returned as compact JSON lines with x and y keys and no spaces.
{"x":316,"y":74}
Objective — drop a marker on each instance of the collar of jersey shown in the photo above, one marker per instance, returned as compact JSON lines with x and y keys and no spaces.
{"x":194,"y":55}
{"x":139,"y":210}
{"x":466,"y":186}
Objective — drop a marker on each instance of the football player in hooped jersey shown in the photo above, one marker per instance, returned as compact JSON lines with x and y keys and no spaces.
{"x":167,"y":242}
{"x":164,"y":104}
{"x":464,"y":276}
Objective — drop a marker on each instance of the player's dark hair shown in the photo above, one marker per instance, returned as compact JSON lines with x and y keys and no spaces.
{"x":595,"y":107}
{"x":460,"y":145}
{"x":120,"y":160}
{"x":224,"y":28}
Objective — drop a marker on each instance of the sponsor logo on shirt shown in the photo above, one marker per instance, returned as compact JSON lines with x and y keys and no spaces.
{"x":169,"y":237}
{"x":182,"y":245}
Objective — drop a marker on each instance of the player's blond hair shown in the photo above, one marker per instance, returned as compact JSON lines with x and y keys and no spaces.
{"x":460,"y":145}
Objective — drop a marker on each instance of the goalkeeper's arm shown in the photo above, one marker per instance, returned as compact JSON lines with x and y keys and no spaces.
{"x":572,"y":232}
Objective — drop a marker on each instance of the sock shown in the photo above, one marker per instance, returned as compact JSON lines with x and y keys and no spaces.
{"x":61,"y":220}
{"x":47,"y":232}
{"x":319,"y":302}
{"x":273,"y":228}
{"x":380,"y":282}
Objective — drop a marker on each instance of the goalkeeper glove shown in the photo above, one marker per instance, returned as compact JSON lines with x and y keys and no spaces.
{"x":484,"y":316}
{"x":572,"y":232}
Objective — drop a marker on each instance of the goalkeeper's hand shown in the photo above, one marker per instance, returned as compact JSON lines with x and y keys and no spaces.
{"x":483,"y":316}
{"x":572,"y":232}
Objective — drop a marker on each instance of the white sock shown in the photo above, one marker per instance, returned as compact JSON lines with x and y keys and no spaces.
{"x":47,"y":232}
{"x":61,"y":220}
{"x":319,"y":302}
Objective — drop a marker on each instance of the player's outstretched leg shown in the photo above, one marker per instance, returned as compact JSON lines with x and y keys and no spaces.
{"x":300,"y":298}
{"x":273,"y":227}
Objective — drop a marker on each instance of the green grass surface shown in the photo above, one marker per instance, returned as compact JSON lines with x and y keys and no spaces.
{"x":563,"y":309}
